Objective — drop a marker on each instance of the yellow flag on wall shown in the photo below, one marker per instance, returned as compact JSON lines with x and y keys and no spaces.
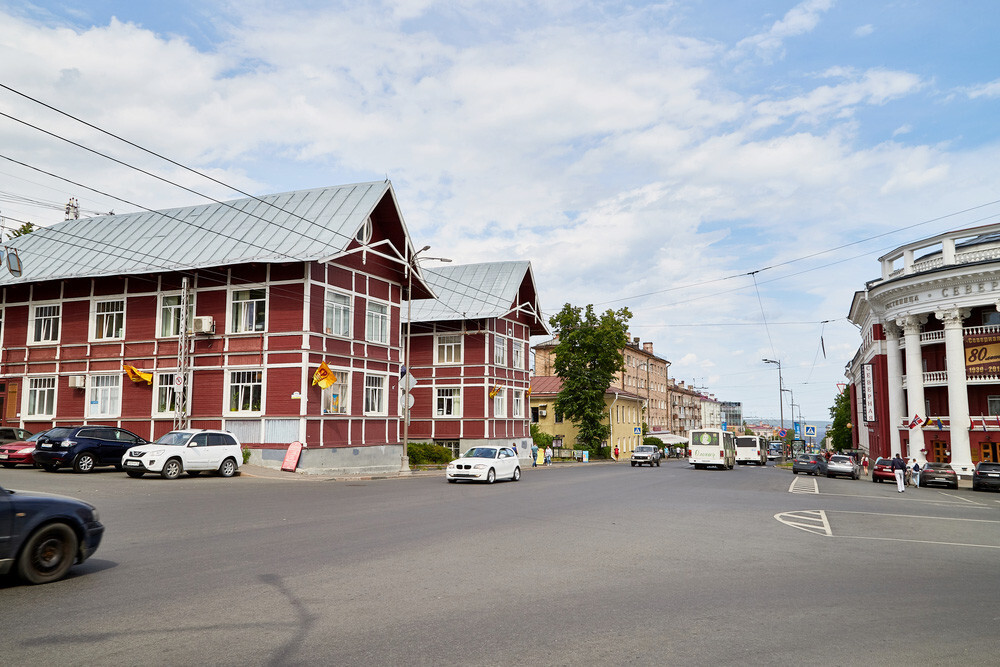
{"x":323,"y":376}
{"x":135,"y":375}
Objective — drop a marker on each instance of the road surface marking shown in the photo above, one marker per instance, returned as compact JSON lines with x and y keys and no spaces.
{"x":803,"y":485}
{"x":916,"y":516}
{"x":811,"y":521}
{"x":973,"y":502}
{"x":897,"y":539}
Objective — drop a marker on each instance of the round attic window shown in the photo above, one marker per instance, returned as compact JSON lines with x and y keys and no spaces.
{"x":364,"y":234}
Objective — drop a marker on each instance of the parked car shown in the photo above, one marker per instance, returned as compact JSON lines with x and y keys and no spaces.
{"x":985,"y":476}
{"x":43,"y":535}
{"x":9,"y":434}
{"x":938,"y":473}
{"x":485,"y":464}
{"x":189,"y":450}
{"x":843,"y":465}
{"x":882,"y":470}
{"x":21,"y":452}
{"x":84,"y":447}
{"x":811,"y":464}
{"x":646,"y":454}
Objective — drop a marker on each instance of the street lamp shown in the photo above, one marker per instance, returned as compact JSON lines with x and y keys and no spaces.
{"x":781,"y":388}
{"x":411,"y":265}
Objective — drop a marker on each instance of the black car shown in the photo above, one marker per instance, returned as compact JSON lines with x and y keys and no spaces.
{"x":986,"y":476}
{"x":42,"y":536}
{"x":811,"y":464}
{"x":84,"y":447}
{"x":938,"y":473}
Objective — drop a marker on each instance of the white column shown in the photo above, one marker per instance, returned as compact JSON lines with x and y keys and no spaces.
{"x":958,"y":392}
{"x":914,"y":378}
{"x":894,"y":370}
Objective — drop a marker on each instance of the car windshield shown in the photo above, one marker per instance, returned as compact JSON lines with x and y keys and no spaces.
{"x":992,"y":467}
{"x":746,"y":442}
{"x":645,"y":448}
{"x":173,"y":438}
{"x":35,"y":437}
{"x":480,"y":453}
{"x":57,"y":433}
{"x":839,"y":459}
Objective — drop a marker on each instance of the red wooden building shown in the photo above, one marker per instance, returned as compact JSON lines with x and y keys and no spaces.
{"x":275,"y":286}
{"x":469,"y":355}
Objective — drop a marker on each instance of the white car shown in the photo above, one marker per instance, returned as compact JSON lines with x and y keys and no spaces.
{"x":192,"y":451}
{"x":485,"y":464}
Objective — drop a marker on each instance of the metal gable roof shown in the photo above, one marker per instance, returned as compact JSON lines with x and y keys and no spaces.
{"x":470,"y":291}
{"x":303,"y":225}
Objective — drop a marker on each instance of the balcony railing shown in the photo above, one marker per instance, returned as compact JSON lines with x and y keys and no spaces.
{"x":930,"y":337}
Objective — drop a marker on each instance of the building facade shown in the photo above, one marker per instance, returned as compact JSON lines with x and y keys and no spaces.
{"x":711,"y":412}
{"x":469,"y":356}
{"x":732,"y":415}
{"x":685,"y":403}
{"x":224,"y":311}
{"x":925,"y":381}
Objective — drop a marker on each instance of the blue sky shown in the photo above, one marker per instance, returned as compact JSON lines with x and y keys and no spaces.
{"x":649,"y":154}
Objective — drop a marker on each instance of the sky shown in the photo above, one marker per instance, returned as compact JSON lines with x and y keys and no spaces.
{"x":729,"y":171}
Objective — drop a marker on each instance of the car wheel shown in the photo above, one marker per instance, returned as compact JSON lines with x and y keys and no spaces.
{"x":517,"y":474}
{"x":171,"y":469}
{"x":491,"y":476}
{"x":135,"y":474}
{"x":452,"y":481}
{"x":228,"y":468}
{"x":657,"y":464}
{"x":795,"y":472}
{"x":9,"y":465}
{"x":955,"y":487}
{"x":829,"y":474}
{"x":84,"y":463}
{"x":49,"y":467}
{"x":48,"y":554}
{"x":633,"y":464}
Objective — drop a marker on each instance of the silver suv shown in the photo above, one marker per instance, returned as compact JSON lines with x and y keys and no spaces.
{"x":644,"y":454}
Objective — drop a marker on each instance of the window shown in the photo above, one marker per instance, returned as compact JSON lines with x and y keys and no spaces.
{"x":517,"y":355}
{"x":377,"y":323}
{"x":375,"y":395}
{"x":338,"y":314}
{"x":499,"y":351}
{"x":45,"y":324}
{"x":364,"y":234}
{"x":104,"y":397}
{"x":450,"y":444}
{"x":517,"y":402}
{"x":337,"y":397}
{"x":248,"y":310}
{"x":558,"y":417}
{"x":534,"y":415}
{"x":993,"y":403}
{"x":245,"y":391}
{"x":991,"y":317}
{"x":41,"y":397}
{"x":449,"y":350}
{"x":166,"y":396}
{"x":500,"y":403}
{"x":170,"y":315}
{"x":448,"y":401}
{"x":109,"y":319}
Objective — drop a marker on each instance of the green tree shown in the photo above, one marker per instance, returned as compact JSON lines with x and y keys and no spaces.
{"x":26,"y":228}
{"x":543,"y":440}
{"x":588,"y":356}
{"x":840,"y":430}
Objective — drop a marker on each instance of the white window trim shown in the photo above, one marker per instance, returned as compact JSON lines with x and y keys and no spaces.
{"x":116,"y":409}
{"x":499,"y":342}
{"x":350,"y":312}
{"x":231,"y":292}
{"x":461,"y":404}
{"x":159,"y":312}
{"x":31,"y":322}
{"x":153,"y":411}
{"x":27,"y":391}
{"x":461,"y":349}
{"x":344,"y":401}
{"x":388,"y":322}
{"x":228,"y":386}
{"x":517,"y":403}
{"x":517,"y":360}
{"x":92,"y":322}
{"x":500,"y":404}
{"x":384,"y":411}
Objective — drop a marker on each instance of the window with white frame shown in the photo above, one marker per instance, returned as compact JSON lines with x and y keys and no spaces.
{"x":449,"y":349}
{"x":337,"y":397}
{"x":104,"y":396}
{"x":337,"y":320}
{"x":517,"y":355}
{"x":499,"y":350}
{"x":41,"y":397}
{"x":448,"y":401}
{"x":166,"y":395}
{"x":109,"y":319}
{"x":517,"y":402}
{"x":377,"y":323}
{"x":245,"y":390}
{"x":44,"y":325}
{"x":249,"y":310}
{"x":375,"y":403}
{"x":170,"y":315}
{"x":500,"y":403}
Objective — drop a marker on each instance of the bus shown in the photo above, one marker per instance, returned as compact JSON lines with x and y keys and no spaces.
{"x":775,"y":450}
{"x":711,"y":447}
{"x":751,"y":449}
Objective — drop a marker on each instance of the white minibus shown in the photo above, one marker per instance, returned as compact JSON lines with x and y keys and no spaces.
{"x":751,"y":449}
{"x":711,"y":447}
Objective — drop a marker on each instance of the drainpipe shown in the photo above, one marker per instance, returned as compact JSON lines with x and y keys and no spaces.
{"x":611,"y":423}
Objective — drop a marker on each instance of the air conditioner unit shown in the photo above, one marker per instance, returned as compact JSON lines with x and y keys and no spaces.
{"x":543,"y":412}
{"x":78,"y":381}
{"x":203,"y":324}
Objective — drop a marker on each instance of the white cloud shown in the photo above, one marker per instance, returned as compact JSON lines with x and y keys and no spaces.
{"x":989,"y":90}
{"x":864,"y":30}
{"x":801,"y":19}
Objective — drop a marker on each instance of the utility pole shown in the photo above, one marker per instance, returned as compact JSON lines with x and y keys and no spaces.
{"x":183,"y":361}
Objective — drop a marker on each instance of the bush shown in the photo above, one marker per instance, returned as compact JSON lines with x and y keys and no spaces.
{"x":543,"y":440}
{"x":424,"y":453}
{"x":246,"y":456}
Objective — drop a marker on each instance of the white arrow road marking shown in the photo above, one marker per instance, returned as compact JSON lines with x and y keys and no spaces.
{"x":811,"y":521}
{"x":803,"y":485}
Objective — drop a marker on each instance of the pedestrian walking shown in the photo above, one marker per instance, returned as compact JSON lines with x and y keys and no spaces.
{"x":548,"y":456}
{"x":514,"y":445}
{"x":616,"y":452}
{"x":534,"y":455}
{"x":898,"y":470}
{"x":864,"y":464}
{"x":916,"y":474}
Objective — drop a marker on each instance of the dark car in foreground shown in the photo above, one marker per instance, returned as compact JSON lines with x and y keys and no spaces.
{"x":20,"y":452}
{"x":42,"y":535}
{"x":882,"y":471}
{"x":811,"y":464}
{"x":985,"y":476}
{"x":84,"y":447}
{"x":938,"y":473}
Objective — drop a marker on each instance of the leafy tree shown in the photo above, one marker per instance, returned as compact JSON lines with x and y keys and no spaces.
{"x":26,"y":228}
{"x":588,"y":356}
{"x":840,"y":431}
{"x":543,"y":440}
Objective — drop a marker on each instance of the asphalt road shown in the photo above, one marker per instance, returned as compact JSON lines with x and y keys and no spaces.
{"x":593,"y":564}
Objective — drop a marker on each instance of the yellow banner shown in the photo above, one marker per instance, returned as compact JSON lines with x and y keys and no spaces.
{"x":135,"y":375}
{"x":982,"y":354}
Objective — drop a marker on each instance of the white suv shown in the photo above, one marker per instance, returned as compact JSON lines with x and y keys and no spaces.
{"x":191,"y":451}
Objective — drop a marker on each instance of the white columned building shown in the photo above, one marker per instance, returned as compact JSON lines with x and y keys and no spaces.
{"x":894,"y":368}
{"x":914,"y":380}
